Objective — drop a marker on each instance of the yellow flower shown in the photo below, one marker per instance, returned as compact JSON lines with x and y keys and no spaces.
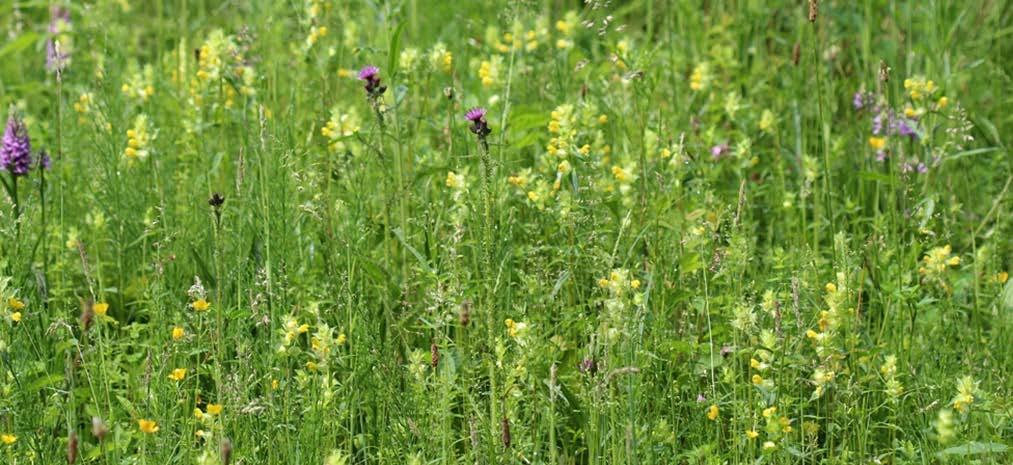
{"x":489,"y":71}
{"x":635,"y":284}
{"x":455,"y":180}
{"x":15,"y":304}
{"x":8,"y":438}
{"x":1002,"y":277}
{"x":214,"y":409}
{"x":147,"y":426}
{"x":138,"y":139}
{"x":178,"y":333}
{"x":701,"y":77}
{"x":274,"y":385}
{"x":767,"y":121}
{"x":342,"y":339}
{"x":178,"y":374}
{"x":877,"y":143}
{"x":100,"y":308}
{"x":712,"y":412}
{"x":752,"y":434}
{"x":769,"y":411}
{"x":201,"y":305}
{"x":965,"y":393}
{"x":441,"y":58}
{"x":942,"y":103}
{"x":16,"y":317}
{"x":757,"y":379}
{"x":936,"y":261}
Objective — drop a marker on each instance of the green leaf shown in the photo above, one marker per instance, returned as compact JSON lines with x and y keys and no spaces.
{"x":974,"y":448}
{"x":45,"y":381}
{"x":18,"y":44}
{"x":418,"y":256}
{"x":1007,"y":295}
{"x":395,"y":50}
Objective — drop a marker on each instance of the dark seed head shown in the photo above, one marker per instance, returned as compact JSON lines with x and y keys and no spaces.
{"x":216,"y":200}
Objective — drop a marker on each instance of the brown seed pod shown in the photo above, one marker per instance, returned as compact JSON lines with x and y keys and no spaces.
{"x":72,"y":448}
{"x":506,"y":432}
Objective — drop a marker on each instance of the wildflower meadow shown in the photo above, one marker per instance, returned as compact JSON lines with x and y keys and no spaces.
{"x":552,"y":232}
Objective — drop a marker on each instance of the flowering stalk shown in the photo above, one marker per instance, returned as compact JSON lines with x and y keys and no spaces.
{"x":480,"y":127}
{"x":15,"y":157}
{"x":374,"y":93}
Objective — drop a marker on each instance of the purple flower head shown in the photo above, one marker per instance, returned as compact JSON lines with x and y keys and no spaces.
{"x":718,"y":150}
{"x":700,"y":399}
{"x":881,"y":155}
{"x":858,"y":100}
{"x":44,"y":161}
{"x":59,"y":22}
{"x":727,"y":349}
{"x":877,"y":125}
{"x":904,"y":129}
{"x":371,"y":75}
{"x":475,"y":114}
{"x":922,"y":169}
{"x":479,"y":126}
{"x":16,"y":148}
{"x":588,"y":366}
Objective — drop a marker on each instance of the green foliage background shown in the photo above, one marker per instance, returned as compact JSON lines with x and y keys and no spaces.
{"x":468,"y":322}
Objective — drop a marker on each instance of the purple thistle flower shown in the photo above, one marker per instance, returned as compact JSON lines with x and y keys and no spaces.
{"x":479,"y":126}
{"x":922,"y":169}
{"x":371,"y":75}
{"x":718,"y":150}
{"x":475,"y":114}
{"x":16,"y":148}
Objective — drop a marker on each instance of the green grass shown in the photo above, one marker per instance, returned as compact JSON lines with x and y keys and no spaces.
{"x":678,"y":245}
